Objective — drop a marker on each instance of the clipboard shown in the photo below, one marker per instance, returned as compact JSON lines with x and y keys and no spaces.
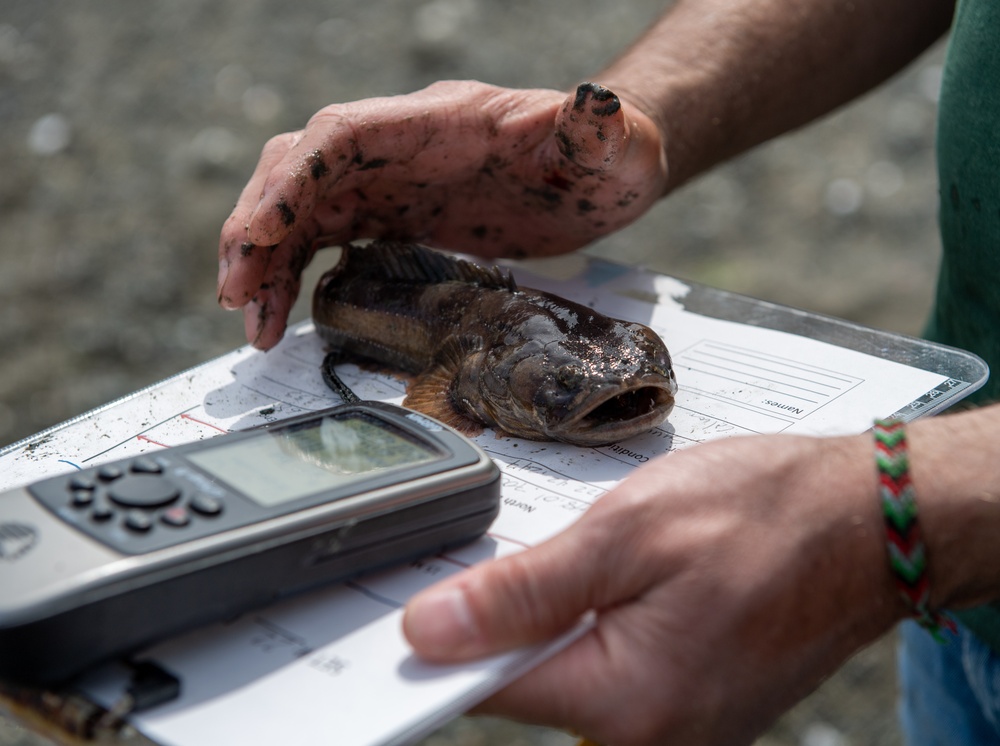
{"x":743,"y":365}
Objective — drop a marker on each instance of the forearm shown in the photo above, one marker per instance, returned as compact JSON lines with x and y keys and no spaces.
{"x":720,"y":76}
{"x":955,"y":469}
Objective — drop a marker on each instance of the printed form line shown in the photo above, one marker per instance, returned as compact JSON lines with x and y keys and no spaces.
{"x":786,"y":362}
{"x":141,"y":432}
{"x":775,"y":387}
{"x":746,"y":382}
{"x":772,"y":380}
{"x":271,"y":399}
{"x":390,"y":602}
{"x":768,"y":370}
{"x":540,"y":489}
{"x":186,"y":416}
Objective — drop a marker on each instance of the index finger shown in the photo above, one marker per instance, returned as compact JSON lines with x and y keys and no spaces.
{"x":242,"y":263}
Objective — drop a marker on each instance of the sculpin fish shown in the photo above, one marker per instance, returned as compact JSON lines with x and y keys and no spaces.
{"x":486,"y":352}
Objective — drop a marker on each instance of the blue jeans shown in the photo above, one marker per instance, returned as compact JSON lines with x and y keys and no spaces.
{"x":949,"y":694}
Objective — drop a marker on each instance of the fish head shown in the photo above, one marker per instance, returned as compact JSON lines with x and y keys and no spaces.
{"x":589,"y":389}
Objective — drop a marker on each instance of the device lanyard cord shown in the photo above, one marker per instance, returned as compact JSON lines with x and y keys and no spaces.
{"x":331,"y":379}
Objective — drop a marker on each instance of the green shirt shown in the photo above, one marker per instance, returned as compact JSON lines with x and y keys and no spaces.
{"x":967,"y":306}
{"x":967,"y":309}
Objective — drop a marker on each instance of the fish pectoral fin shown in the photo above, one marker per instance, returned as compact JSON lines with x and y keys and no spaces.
{"x":431,"y":394}
{"x":457,"y":353}
{"x":433,"y":391}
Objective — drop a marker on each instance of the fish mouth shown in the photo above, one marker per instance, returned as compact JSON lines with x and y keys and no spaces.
{"x":618,"y":413}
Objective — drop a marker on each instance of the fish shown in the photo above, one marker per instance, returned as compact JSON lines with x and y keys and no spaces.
{"x":485,"y":352}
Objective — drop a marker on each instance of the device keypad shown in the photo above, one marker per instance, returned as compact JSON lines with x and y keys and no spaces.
{"x":134,"y":506}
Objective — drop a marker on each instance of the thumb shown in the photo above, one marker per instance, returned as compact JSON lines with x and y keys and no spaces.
{"x":591,"y":129}
{"x":496,"y":606}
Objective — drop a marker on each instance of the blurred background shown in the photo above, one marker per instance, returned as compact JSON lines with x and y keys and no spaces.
{"x":129,"y":129}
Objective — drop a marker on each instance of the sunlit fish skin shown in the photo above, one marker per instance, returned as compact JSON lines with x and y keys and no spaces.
{"x":485,"y":352}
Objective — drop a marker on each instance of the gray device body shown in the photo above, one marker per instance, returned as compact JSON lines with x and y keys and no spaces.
{"x":102,"y":562}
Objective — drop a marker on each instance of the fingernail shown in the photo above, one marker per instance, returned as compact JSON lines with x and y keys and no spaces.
{"x":223,"y":274}
{"x":253,"y":219}
{"x":439,"y":622}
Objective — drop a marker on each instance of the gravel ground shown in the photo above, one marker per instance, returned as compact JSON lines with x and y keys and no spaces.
{"x":129,"y":129}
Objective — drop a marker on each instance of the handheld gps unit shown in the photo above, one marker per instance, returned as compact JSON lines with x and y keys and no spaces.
{"x":109,"y":559}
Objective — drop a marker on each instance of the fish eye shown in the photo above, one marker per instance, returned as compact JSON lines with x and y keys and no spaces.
{"x":569,"y":376}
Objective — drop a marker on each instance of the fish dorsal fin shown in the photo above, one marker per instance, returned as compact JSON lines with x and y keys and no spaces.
{"x":408,"y":262}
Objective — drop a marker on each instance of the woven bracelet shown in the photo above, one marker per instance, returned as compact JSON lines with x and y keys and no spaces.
{"x":907,"y":553}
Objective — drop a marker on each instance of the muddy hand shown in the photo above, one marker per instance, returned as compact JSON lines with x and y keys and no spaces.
{"x":461,"y":165}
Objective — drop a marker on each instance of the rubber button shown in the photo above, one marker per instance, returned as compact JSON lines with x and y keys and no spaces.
{"x":143,"y":491}
{"x":176,"y":516}
{"x":82,"y":483}
{"x":82,"y":498}
{"x":109,"y":473}
{"x":206,"y":505}
{"x":145,"y":466}
{"x":101,"y":512}
{"x":138,"y":521}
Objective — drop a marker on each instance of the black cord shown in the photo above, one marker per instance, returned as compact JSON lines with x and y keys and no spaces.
{"x":331,"y":379}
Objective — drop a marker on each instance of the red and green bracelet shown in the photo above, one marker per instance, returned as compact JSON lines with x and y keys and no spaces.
{"x":907,"y":553}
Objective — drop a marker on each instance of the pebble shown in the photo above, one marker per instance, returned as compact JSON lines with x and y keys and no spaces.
{"x":49,"y":135}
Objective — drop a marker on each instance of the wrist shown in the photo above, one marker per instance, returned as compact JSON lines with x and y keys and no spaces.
{"x":957,"y":483}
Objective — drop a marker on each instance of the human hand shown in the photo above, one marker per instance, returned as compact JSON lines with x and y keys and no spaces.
{"x":459,"y":165}
{"x":728,"y":579}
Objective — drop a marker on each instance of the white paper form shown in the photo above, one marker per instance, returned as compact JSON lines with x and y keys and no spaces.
{"x":332,"y":666}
